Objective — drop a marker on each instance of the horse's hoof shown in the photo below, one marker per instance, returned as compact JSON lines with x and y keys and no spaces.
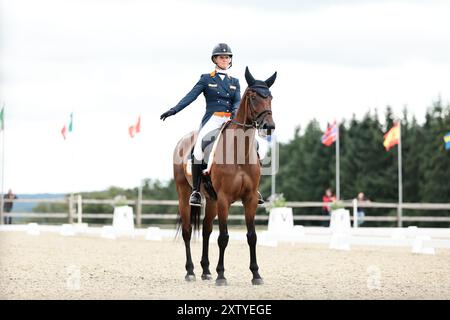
{"x":221,"y":282}
{"x":206,"y":276}
{"x":257,"y":282}
{"x":189,"y":277}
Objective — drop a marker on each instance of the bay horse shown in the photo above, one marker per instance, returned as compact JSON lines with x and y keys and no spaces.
{"x":235,"y":179}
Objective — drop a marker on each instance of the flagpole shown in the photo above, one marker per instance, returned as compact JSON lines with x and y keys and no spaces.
{"x":3,"y":164}
{"x":338,"y":187}
{"x":400,"y":178}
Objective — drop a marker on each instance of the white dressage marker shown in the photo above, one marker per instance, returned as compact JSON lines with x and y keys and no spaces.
{"x":123,"y":222}
{"x":33,"y":229}
{"x":281,"y":220}
{"x":340,"y":221}
{"x":340,"y":230}
{"x":154,"y":234}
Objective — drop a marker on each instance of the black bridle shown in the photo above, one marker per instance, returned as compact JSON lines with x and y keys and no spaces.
{"x":259,"y":118}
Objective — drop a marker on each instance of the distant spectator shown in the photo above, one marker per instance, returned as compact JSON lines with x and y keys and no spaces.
{"x":7,"y":206}
{"x":327,"y":199}
{"x":361,"y":198}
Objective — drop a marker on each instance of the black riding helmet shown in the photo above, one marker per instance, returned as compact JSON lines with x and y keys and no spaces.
{"x":222,"y":49}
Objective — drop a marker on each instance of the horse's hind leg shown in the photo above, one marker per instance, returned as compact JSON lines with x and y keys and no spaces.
{"x":210,"y":214}
{"x":222,"y":241}
{"x":250,"y":205}
{"x":185,"y":211}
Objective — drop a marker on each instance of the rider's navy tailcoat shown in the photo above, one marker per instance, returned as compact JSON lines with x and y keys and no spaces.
{"x":221,"y":95}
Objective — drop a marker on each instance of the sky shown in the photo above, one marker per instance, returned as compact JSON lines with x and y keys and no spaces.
{"x":109,"y":62}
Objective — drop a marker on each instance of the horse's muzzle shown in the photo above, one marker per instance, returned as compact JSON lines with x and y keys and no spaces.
{"x":266,"y":129}
{"x":269,"y":127}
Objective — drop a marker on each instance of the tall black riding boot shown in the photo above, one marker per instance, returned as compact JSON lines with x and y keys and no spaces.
{"x":196,"y":198}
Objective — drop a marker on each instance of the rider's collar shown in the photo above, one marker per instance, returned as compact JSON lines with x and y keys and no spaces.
{"x":221,"y":71}
{"x":213,"y":74}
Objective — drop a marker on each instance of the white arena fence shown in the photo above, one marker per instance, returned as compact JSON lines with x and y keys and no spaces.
{"x":75,"y":210}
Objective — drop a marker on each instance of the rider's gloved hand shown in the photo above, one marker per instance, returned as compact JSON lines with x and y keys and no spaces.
{"x":167,"y":114}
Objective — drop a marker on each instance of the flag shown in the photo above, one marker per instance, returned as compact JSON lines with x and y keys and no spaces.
{"x":2,"y":119}
{"x":447,"y":140}
{"x":71,"y":122}
{"x":132,"y":130}
{"x":330,"y":135}
{"x":391,"y":138}
{"x":138,"y":125}
{"x":67,"y":128}
{"x":63,"y":132}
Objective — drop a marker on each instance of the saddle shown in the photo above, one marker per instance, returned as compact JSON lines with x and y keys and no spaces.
{"x":209,"y":145}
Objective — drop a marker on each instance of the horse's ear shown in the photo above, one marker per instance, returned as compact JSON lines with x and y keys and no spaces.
{"x":249,"y":78}
{"x":271,"y":80}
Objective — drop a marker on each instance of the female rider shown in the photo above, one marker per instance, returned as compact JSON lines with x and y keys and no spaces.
{"x":222,"y":94}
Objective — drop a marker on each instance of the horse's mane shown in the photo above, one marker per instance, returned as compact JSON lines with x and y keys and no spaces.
{"x":243,"y":104}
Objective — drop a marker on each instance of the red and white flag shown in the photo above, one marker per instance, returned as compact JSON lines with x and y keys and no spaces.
{"x":330,"y":135}
{"x":134,"y":129}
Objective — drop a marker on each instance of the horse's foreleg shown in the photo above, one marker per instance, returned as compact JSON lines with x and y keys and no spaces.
{"x":210,"y":214}
{"x":250,"y":212}
{"x":187,"y":231}
{"x":184,"y":190}
{"x":185,"y":213}
{"x":222,"y":241}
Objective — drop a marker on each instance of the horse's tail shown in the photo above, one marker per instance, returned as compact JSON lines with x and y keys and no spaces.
{"x":195,"y":219}
{"x":178,"y":225}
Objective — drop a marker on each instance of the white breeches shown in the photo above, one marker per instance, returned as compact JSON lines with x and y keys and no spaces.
{"x":216,"y":122}
{"x":213,"y":123}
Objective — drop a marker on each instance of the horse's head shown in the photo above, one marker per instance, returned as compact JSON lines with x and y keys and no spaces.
{"x":259,"y":103}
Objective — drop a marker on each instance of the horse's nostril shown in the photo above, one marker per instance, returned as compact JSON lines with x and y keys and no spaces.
{"x":268,"y":126}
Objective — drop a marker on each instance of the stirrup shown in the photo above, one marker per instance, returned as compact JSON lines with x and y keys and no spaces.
{"x":195,"y":199}
{"x":260,"y":199}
